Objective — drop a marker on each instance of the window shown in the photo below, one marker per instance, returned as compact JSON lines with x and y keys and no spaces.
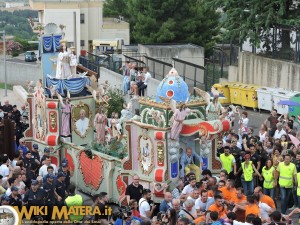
{"x":81,"y":18}
{"x":81,"y":43}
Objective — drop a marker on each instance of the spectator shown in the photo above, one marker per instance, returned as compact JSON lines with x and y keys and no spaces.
{"x":133,"y":204}
{"x":194,"y":195}
{"x":102,"y":204}
{"x":134,"y":190}
{"x":219,"y":207}
{"x":4,"y":170}
{"x":7,"y":107}
{"x":189,"y":210}
{"x":145,"y":209}
{"x":202,"y":202}
{"x":22,"y":147}
{"x":44,"y":169}
{"x":176,"y":206}
{"x":166,"y":203}
{"x":176,"y":193}
{"x":279,"y":132}
{"x":214,"y":216}
{"x":187,"y":190}
{"x":273,"y":120}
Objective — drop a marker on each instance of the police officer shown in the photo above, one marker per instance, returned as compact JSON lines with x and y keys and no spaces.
{"x":46,"y":154}
{"x":28,"y":161}
{"x":64,"y":169}
{"x":15,"y":199}
{"x":48,"y":187}
{"x":60,"y":189}
{"x":35,"y":196}
{"x":35,"y":153}
{"x":31,"y":173}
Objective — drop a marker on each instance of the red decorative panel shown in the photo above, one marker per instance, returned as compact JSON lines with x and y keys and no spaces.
{"x":121,"y":187}
{"x":52,"y":105}
{"x":52,"y":140}
{"x":159,"y":173}
{"x":159,"y":135}
{"x":53,"y":118}
{"x":91,"y":169}
{"x":160,"y":156}
{"x":54,"y":160}
{"x":70,"y":161}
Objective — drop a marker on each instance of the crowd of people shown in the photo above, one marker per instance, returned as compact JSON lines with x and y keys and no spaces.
{"x":258,"y":169}
{"x":135,"y":79}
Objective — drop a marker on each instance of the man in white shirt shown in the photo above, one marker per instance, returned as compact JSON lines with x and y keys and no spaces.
{"x":195,"y":195}
{"x":188,"y":189}
{"x":4,"y":170}
{"x":142,"y":85}
{"x":43,"y":170}
{"x":145,"y":209}
{"x":83,"y":123}
{"x":201,"y":202}
{"x":279,"y":132}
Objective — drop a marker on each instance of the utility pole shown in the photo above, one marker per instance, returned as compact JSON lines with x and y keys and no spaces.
{"x":4,"y":59}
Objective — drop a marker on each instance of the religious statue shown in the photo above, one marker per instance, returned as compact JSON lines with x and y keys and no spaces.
{"x":66,"y":73}
{"x":178,"y":116}
{"x":66,"y":114}
{"x":73,"y":62}
{"x":114,"y":121}
{"x":59,"y":67}
{"x":99,"y":124}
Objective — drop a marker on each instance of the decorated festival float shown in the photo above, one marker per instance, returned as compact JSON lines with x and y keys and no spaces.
{"x":68,"y":113}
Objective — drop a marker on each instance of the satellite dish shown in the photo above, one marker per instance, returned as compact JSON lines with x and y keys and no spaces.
{"x":50,"y":28}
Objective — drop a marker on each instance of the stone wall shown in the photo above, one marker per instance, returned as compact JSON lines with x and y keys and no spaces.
{"x":19,"y":73}
{"x":264,"y":71}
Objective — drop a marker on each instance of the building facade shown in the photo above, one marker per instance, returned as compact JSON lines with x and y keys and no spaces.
{"x":83,"y":21}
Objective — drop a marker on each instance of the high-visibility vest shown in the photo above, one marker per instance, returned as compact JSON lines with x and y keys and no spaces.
{"x":286,"y":174}
{"x":298,"y":187}
{"x":268,"y":176}
{"x":227,"y":162}
{"x":248,"y":171}
{"x":75,"y":200}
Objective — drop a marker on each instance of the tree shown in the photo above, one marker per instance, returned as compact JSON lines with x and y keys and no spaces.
{"x":253,"y":19}
{"x":168,"y":21}
{"x":14,"y":47}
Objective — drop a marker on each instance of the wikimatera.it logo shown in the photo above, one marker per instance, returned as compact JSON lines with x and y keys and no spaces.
{"x":58,"y":214}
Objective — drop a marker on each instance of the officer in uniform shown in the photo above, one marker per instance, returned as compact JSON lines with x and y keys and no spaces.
{"x":28,"y":161}
{"x":48,"y":187}
{"x":64,"y":169}
{"x":15,"y":199}
{"x":46,"y":154}
{"x":35,"y":196}
{"x":60,"y":189}
{"x":35,"y":153}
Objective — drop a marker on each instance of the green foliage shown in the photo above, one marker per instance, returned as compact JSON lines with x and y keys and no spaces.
{"x":115,"y":101}
{"x":16,"y":23}
{"x":115,"y":148}
{"x":253,"y":18}
{"x":25,"y":44}
{"x":168,"y":21}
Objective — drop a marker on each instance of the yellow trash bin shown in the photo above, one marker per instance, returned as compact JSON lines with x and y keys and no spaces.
{"x":235,"y":93}
{"x":249,"y":96}
{"x":223,"y":88}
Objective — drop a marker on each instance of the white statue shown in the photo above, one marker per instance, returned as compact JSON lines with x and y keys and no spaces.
{"x":59,"y":63}
{"x":73,"y":62}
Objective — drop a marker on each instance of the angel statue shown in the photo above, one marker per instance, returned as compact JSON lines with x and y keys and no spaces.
{"x":214,"y":108}
{"x":98,"y":94}
{"x":178,"y":116}
{"x":99,"y":123}
{"x":66,"y":107}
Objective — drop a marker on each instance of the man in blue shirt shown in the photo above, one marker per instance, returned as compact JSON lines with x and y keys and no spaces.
{"x":188,"y":160}
{"x":166,"y":203}
{"x":128,"y":218}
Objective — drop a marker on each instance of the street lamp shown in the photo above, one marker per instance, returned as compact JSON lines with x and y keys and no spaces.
{"x":4,"y":59}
